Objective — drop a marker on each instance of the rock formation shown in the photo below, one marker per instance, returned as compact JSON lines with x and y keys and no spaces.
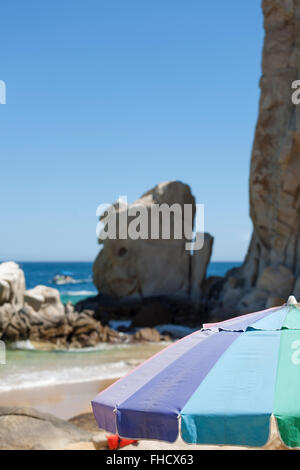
{"x":46,"y":301}
{"x":271,"y":271}
{"x":70,"y":330}
{"x":28,"y":429}
{"x":12,"y":286}
{"x":146,"y":267}
{"x":160,"y":269}
{"x":38,"y":315}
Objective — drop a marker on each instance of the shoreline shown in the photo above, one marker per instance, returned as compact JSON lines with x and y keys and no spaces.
{"x":69,"y":398}
{"x":64,"y":401}
{"x":72,"y":403}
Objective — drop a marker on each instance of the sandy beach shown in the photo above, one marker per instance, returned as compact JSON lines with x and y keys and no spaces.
{"x":72,"y":402}
{"x":62,"y":400}
{"x":63,"y":384}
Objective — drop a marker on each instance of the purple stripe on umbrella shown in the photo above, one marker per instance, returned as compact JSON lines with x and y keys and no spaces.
{"x":152,"y":411}
{"x":105,"y":403}
{"x":179,"y":356}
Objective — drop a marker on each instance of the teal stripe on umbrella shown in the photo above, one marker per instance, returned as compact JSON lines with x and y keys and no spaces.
{"x":152,"y":412}
{"x":234,"y":403}
{"x":148,"y":401}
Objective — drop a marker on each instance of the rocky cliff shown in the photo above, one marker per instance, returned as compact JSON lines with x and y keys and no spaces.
{"x":271,"y":271}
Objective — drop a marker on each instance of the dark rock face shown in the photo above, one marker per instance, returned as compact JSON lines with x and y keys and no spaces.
{"x":272,"y":266}
{"x":148,"y":311}
{"x":154,"y":313}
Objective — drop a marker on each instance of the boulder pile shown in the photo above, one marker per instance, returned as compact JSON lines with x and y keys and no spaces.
{"x":39,"y":315}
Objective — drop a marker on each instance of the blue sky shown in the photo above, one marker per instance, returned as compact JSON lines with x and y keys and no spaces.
{"x":109,"y":98}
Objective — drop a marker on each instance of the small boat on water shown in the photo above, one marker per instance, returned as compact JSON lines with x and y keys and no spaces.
{"x":64,"y":278}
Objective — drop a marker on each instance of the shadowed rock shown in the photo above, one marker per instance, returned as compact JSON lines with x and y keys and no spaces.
{"x":28,"y":429}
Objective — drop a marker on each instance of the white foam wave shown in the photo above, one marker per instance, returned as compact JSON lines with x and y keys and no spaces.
{"x":80,"y":293}
{"x":23,"y":345}
{"x":70,"y":375}
{"x":80,"y":281}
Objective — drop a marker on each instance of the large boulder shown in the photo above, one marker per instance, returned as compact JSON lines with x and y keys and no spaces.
{"x":146,"y":267}
{"x":28,"y":429}
{"x":278,"y":281}
{"x":137,"y":268}
{"x":46,"y":316}
{"x":141,"y":268}
{"x":12,"y":288}
{"x":199,"y":263}
{"x":12,"y":285}
{"x":46,"y":301}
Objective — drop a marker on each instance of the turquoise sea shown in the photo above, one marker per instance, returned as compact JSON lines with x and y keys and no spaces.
{"x":43,"y":273}
{"x":28,"y":374}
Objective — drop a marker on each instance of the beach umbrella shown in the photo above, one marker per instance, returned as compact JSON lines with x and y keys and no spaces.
{"x":219,"y":385}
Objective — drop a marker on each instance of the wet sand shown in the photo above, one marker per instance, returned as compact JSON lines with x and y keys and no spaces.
{"x":70,"y":399}
{"x":63,"y":401}
{"x":73,"y":400}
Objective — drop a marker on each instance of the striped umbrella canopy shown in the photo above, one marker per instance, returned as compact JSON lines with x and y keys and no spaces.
{"x":219,"y":385}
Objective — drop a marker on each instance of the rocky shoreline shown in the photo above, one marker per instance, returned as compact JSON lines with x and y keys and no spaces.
{"x":154,"y":281}
{"x":38,"y":315}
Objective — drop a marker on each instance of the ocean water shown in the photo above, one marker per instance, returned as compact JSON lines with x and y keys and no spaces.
{"x":25,"y":368}
{"x":43,"y":273}
{"x":64,"y":383}
{"x":220,"y":268}
{"x":31,"y":369}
